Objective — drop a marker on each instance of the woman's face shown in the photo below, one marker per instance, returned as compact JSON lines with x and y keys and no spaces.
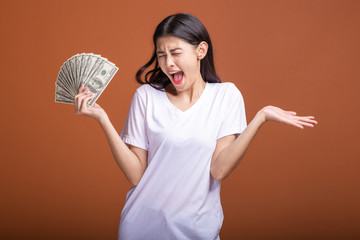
{"x":179,"y":61}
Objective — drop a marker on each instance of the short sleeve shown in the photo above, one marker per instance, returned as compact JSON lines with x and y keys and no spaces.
{"x":134,"y":130}
{"x":233,"y":114}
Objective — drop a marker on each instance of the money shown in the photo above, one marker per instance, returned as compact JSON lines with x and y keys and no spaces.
{"x":92,"y":70}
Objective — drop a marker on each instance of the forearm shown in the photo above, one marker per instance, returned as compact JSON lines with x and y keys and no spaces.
{"x":230,"y":157}
{"x":126,"y":159}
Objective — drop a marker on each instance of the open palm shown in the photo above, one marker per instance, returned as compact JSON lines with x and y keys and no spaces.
{"x":272,"y":113}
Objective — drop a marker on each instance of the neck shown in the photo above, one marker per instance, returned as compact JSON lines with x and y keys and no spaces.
{"x":191,"y":94}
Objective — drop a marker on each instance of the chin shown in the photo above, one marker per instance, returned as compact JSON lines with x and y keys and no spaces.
{"x":179,"y":87}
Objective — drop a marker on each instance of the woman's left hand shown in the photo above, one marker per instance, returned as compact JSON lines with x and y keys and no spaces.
{"x":271,"y":113}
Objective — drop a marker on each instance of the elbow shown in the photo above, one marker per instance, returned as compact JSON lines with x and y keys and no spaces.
{"x":134,"y":181}
{"x":135,"y":177}
{"x":218,"y":174}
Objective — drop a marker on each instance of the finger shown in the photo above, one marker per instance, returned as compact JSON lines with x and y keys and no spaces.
{"x":87,"y":101}
{"x":80,"y":103}
{"x":308,"y":119}
{"x":84,"y":105}
{"x":291,"y":113}
{"x":77,"y":102}
{"x":77,"y":99}
{"x":85,"y":90}
{"x":296,"y":124}
{"x":312,"y":121}
{"x":306,"y":124}
{"x":82,"y":91}
{"x":81,"y":88}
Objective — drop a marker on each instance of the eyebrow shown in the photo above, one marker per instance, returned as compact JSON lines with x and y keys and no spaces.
{"x":172,"y":50}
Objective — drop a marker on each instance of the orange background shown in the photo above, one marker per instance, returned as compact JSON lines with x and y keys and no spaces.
{"x":58,"y":177}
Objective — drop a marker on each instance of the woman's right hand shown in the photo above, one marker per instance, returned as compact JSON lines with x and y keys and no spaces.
{"x":81,"y":108}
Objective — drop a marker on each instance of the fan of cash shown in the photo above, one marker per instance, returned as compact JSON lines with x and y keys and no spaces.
{"x":92,"y":70}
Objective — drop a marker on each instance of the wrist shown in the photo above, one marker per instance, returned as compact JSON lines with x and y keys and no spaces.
{"x":102,"y":119}
{"x":261,"y":116}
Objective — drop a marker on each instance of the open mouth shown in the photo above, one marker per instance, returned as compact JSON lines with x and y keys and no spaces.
{"x":177,"y":77}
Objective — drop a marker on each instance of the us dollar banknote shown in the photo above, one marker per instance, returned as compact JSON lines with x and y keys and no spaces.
{"x":92,"y":70}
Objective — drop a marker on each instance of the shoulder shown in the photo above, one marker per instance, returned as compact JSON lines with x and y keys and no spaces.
{"x":146,"y":90}
{"x":147,"y":94}
{"x":226,"y":89}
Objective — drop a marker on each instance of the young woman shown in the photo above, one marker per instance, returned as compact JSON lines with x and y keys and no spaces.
{"x":184,"y":133}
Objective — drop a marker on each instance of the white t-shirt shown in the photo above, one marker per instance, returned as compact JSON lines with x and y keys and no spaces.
{"x":177,"y":198}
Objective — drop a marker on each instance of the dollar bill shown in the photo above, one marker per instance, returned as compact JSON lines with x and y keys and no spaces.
{"x":92,"y":70}
{"x":100,"y":79}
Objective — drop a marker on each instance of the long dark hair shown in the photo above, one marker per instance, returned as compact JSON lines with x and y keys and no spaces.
{"x":190,"y":29}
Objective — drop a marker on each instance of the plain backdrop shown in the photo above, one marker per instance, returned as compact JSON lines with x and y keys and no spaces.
{"x":58,"y":177}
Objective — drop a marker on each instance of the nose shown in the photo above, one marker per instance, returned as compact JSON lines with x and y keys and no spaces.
{"x":169,"y":61}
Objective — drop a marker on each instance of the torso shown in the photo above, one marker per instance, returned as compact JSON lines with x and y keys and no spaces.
{"x":177,"y":198}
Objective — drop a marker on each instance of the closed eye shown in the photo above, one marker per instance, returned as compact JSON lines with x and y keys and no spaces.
{"x":164,"y":55}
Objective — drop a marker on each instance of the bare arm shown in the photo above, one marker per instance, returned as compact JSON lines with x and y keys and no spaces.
{"x":131,"y":160}
{"x":230,"y":150}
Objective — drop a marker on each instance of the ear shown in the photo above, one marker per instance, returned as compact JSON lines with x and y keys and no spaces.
{"x":201,"y":50}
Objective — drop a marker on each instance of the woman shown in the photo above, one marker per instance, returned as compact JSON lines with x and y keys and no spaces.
{"x":185,"y":132}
